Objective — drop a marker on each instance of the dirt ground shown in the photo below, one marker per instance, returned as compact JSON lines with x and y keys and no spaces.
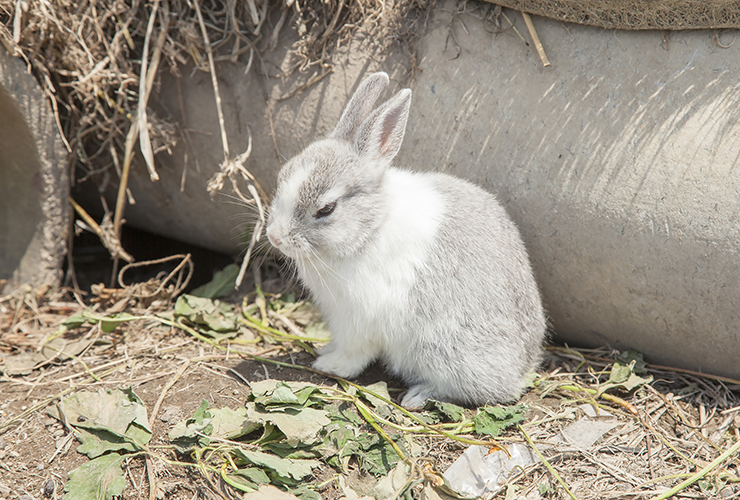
{"x":664,"y":431}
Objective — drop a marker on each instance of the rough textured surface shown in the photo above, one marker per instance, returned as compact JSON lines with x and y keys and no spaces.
{"x":636,"y":14}
{"x":619,"y":163}
{"x":34,"y":211}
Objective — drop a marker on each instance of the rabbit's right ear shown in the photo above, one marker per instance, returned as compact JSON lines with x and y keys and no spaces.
{"x":360,"y":106}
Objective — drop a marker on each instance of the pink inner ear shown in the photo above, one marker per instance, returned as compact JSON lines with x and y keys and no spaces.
{"x":387,"y":131}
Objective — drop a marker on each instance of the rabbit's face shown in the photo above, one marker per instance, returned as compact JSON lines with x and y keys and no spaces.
{"x":328,"y":203}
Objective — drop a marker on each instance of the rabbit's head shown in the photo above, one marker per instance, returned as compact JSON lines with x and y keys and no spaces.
{"x":330,"y":198}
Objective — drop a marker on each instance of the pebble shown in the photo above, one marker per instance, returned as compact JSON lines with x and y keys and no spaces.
{"x":49,"y":488}
{"x":726,"y":492}
{"x":2,"y":443}
{"x":39,"y":467}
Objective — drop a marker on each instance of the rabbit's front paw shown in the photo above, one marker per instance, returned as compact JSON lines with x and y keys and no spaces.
{"x":416,"y":396}
{"x":341,"y":364}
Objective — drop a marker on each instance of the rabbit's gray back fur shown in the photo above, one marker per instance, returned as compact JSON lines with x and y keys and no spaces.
{"x":474,"y":295}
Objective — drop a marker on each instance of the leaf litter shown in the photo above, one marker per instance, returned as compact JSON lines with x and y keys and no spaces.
{"x":594,"y":424}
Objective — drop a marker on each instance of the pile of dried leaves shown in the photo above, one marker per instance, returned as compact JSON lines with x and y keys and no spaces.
{"x":122,"y":377}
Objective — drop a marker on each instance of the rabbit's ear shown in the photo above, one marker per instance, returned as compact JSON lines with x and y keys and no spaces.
{"x":381,"y":135}
{"x":360,"y":106}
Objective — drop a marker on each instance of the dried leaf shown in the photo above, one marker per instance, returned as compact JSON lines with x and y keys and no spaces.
{"x":107,"y":420}
{"x":99,"y":479}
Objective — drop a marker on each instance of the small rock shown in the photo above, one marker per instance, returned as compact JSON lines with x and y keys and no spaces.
{"x":39,"y":467}
{"x":49,"y":488}
{"x":2,"y":454}
{"x":726,"y":492}
{"x":2,"y":443}
{"x":170,"y":413}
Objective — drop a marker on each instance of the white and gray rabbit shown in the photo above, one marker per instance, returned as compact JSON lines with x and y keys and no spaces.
{"x":423,"y":271}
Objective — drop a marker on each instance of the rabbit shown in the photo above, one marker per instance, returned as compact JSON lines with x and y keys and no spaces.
{"x":424,"y":271}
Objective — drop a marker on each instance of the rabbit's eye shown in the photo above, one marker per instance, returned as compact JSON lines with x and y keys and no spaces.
{"x":327,"y":210}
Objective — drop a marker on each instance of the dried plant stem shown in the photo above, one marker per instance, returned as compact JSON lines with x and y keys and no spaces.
{"x":700,"y":474}
{"x":144,"y":88}
{"x":536,"y":39}
{"x":147,"y":77}
{"x":547,"y":464}
{"x":97,"y":230}
{"x":214,"y":81}
{"x":167,"y":387}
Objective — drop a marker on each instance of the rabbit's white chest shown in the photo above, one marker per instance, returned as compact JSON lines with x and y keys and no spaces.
{"x":367,"y":295}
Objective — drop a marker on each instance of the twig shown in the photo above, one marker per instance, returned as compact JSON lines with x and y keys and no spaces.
{"x":700,"y":474}
{"x":536,"y":39}
{"x":144,"y":88}
{"x":547,"y":464}
{"x":110,"y":241}
{"x":166,"y":388}
{"x":214,"y":80}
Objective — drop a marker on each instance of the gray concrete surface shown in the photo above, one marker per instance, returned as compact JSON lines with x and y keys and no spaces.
{"x":621,"y":165}
{"x":34,"y":187}
{"x":619,"y":162}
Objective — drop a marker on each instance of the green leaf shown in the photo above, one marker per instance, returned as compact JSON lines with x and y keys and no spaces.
{"x":98,"y":442}
{"x":111,"y":322}
{"x":283,"y":395}
{"x":212,"y":314}
{"x":304,"y":492}
{"x":276,"y":395}
{"x":249,"y":478}
{"x":374,"y":454}
{"x":231,"y":424}
{"x":448,"y":412}
{"x":624,"y":373}
{"x":300,"y":426}
{"x":627,"y":357}
{"x":284,"y":450}
{"x":491,"y":420}
{"x":284,"y":470}
{"x":345,"y":414}
{"x":110,"y":418}
{"x":99,"y":479}
{"x":185,"y":434}
{"x":75,"y":321}
{"x":222,"y":284}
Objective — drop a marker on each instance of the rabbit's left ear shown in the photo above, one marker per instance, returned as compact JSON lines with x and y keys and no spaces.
{"x":381,"y":135}
{"x":360,"y":106}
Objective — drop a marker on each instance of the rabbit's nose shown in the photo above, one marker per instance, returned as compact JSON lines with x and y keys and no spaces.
{"x":273,"y":237}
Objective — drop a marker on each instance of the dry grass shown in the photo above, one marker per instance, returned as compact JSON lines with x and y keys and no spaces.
{"x":97,"y":62}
